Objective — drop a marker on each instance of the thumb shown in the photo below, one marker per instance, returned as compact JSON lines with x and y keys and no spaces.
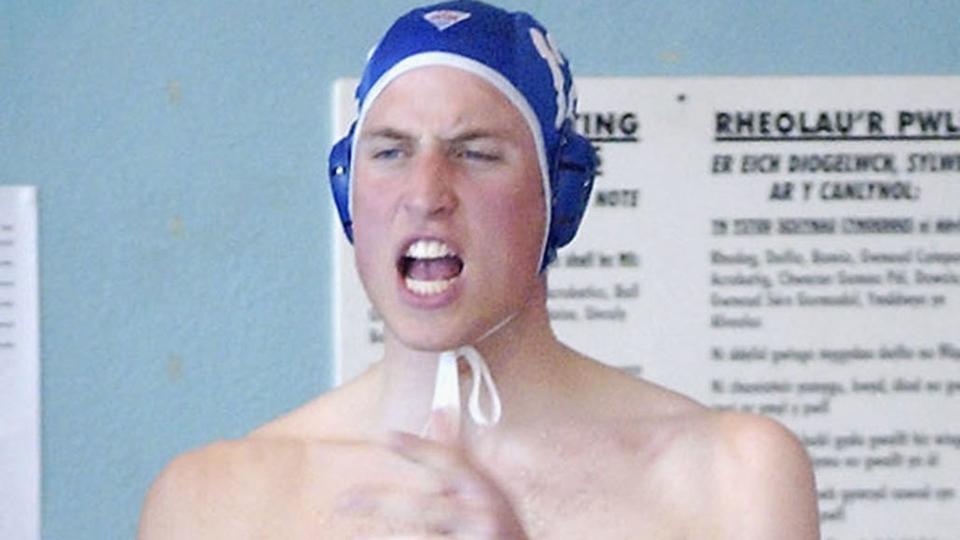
{"x":443,"y":426}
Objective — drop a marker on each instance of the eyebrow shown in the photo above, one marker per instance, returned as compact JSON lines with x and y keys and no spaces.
{"x":387,"y":133}
{"x":474,"y":134}
{"x":466,"y":136}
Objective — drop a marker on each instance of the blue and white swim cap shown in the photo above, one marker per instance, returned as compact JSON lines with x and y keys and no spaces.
{"x":514,"y":53}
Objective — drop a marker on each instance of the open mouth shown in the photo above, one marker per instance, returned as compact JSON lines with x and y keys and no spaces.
{"x":429,"y":267}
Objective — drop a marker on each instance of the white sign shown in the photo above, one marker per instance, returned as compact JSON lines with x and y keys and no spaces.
{"x":19,"y":365}
{"x":785,"y":246}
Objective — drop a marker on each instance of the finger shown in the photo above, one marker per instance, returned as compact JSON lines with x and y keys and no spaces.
{"x":406,"y":537}
{"x":451,"y":466}
{"x":443,"y":426}
{"x":434,"y":512}
{"x":442,"y":459}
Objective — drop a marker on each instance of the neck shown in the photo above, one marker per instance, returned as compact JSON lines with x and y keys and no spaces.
{"x":522,"y":355}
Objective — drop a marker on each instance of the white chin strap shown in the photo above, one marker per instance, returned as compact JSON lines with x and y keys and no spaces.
{"x":446,"y":393}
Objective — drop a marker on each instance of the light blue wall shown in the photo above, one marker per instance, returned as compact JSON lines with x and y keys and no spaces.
{"x":179,"y":150}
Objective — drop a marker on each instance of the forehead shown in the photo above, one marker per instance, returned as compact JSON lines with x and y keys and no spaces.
{"x":444,"y":97}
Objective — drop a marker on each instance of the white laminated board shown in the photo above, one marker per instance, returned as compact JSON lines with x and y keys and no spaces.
{"x":783,"y":245}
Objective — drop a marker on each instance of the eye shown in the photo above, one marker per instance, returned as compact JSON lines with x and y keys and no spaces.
{"x":386,"y":153}
{"x":478,"y":153}
{"x":481,"y":156}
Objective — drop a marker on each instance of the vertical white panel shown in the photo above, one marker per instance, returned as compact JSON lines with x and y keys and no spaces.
{"x":19,"y":365}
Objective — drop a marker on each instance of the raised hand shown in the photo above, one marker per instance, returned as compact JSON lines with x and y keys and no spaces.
{"x":457,"y":500}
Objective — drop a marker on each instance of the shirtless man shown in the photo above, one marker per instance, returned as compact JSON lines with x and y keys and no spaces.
{"x":458,"y":181}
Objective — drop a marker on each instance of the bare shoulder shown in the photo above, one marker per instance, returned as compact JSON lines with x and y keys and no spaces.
{"x":198,"y":493}
{"x":758,"y":448}
{"x":759,"y":482}
{"x":754,"y":438}
{"x":175,"y":504}
{"x":245,"y":488}
{"x":719,"y":474}
{"x":741,"y":476}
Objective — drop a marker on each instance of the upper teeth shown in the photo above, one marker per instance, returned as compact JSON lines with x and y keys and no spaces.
{"x":428,"y":249}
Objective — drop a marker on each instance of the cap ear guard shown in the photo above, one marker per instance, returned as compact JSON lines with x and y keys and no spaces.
{"x":575,"y":169}
{"x":338,"y":164}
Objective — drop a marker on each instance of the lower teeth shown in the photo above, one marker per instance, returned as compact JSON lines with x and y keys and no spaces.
{"x":425,"y":288}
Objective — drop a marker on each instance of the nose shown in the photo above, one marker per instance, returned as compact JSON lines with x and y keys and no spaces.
{"x":430,"y":190}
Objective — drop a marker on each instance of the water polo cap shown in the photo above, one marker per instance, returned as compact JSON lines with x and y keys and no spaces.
{"x":514,"y":53}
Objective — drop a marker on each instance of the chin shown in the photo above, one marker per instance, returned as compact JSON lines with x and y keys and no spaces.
{"x":429,"y":339}
{"x":426,"y":336}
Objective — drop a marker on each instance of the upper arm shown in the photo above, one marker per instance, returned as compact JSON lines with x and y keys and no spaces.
{"x":764,"y":482}
{"x":199,"y":495}
{"x":169,"y":510}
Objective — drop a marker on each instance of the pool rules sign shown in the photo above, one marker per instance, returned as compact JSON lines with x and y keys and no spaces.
{"x":782,"y":246}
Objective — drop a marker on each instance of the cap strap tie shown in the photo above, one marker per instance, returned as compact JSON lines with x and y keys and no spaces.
{"x":446,"y":392}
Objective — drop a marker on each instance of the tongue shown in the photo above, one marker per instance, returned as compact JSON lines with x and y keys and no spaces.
{"x":434,"y":269}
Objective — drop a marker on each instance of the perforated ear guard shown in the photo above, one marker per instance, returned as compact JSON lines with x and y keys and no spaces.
{"x":338,"y":168}
{"x":575,"y":171}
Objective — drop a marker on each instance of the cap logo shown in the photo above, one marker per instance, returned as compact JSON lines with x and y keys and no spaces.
{"x":442,"y":19}
{"x":549,"y":52}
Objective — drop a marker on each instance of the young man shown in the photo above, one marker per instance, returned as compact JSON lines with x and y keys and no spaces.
{"x":458,"y":181}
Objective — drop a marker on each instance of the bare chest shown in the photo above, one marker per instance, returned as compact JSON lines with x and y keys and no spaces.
{"x":556,"y":497}
{"x":597,"y":498}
